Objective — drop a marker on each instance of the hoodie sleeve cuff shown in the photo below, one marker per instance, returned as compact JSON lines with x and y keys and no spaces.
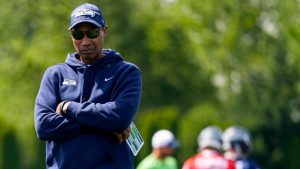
{"x":72,"y":110}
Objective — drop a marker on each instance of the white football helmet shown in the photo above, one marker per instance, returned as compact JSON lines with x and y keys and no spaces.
{"x":237,"y":138}
{"x":210,"y":136}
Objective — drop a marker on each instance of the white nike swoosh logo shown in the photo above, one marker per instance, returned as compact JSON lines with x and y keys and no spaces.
{"x":107,"y":79}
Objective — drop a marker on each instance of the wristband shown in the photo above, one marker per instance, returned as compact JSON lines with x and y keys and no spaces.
{"x":61,"y":107}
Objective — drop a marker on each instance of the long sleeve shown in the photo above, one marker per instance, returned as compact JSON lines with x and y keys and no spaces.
{"x":116,"y":114}
{"x":48,"y":124}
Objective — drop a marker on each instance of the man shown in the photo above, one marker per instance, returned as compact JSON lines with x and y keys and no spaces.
{"x":237,"y":146}
{"x":85,"y":106}
{"x":163,"y":147}
{"x":210,"y":156}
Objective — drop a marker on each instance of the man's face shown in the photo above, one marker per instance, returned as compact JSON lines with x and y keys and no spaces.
{"x":89,"y":45}
{"x":167,"y":151}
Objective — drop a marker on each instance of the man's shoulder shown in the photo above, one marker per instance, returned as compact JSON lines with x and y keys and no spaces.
{"x":112,"y":52}
{"x":191,"y":159}
{"x":146,"y":162}
{"x":130,"y":64}
{"x":57,"y":68}
{"x":251,"y":163}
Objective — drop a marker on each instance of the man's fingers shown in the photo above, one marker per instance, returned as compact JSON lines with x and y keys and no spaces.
{"x":125,"y":136}
{"x":126,"y":133}
{"x":58,"y":109}
{"x":122,"y":136}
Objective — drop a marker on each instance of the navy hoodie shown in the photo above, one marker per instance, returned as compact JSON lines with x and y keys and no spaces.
{"x":104,"y":99}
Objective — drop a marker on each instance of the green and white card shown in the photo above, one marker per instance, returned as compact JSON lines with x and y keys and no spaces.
{"x":135,"y":140}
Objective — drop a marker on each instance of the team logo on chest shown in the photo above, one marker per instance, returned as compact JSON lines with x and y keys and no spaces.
{"x":69,"y":82}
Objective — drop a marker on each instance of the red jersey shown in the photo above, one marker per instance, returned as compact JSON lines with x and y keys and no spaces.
{"x":208,"y":159}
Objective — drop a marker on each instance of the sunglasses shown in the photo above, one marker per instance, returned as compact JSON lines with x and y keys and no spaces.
{"x":78,"y":35}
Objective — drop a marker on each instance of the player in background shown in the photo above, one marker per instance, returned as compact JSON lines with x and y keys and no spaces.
{"x":164,"y":145}
{"x":237,"y":146}
{"x":209,"y":155}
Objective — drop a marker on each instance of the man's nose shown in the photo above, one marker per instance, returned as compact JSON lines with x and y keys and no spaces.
{"x":85,"y":40}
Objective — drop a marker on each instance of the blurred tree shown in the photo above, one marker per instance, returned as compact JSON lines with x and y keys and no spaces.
{"x":152,"y":121}
{"x":11,"y":151}
{"x":214,"y":62}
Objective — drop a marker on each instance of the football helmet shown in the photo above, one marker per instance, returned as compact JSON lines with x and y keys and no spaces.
{"x":210,"y":136}
{"x":238,"y":139}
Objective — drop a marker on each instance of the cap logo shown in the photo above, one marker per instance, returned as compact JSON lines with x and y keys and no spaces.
{"x":85,"y":12}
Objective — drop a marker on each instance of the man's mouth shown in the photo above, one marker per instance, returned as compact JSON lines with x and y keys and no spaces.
{"x":86,"y":51}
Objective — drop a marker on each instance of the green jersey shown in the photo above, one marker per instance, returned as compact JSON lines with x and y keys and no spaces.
{"x":150,"y":162}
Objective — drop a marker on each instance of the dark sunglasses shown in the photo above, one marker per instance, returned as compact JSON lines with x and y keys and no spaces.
{"x":78,"y":35}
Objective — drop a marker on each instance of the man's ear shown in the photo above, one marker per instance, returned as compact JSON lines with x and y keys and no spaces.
{"x":104,"y":31}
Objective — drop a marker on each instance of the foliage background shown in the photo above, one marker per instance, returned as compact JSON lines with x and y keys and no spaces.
{"x":203,"y":63}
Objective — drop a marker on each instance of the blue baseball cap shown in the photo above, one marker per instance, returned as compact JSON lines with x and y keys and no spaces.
{"x":87,"y":13}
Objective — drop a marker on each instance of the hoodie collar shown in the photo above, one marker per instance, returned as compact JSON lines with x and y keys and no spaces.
{"x":109,"y":57}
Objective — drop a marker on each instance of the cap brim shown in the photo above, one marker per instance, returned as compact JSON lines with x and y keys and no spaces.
{"x":175,"y":144}
{"x":82,"y":21}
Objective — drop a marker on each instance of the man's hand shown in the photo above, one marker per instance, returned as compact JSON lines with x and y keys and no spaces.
{"x":123,"y":136}
{"x":58,"y":109}
{"x":61,"y":108}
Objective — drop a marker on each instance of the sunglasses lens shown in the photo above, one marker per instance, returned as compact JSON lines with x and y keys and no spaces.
{"x":92,"y":33}
{"x":77,"y":35}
